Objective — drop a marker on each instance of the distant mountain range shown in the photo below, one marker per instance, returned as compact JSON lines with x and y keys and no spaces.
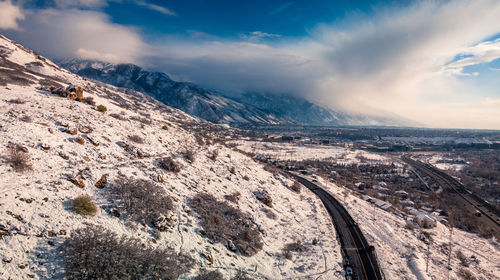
{"x":244,"y":110}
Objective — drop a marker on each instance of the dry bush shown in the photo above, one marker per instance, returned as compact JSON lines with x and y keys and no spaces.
{"x":296,"y":187}
{"x":466,"y":274}
{"x":98,"y":253}
{"x":165,"y":127}
{"x":296,"y":247}
{"x":264,"y":197}
{"x":170,"y":164}
{"x":84,"y":205}
{"x":234,"y":197}
{"x":209,"y":275}
{"x":144,"y":121}
{"x":199,"y":139}
{"x":17,"y":156}
{"x":102,"y":108}
{"x":88,"y":100}
{"x":241,"y":276}
{"x":118,"y":116}
{"x":142,"y":200}
{"x":464,"y":261}
{"x":136,"y":138}
{"x":213,"y":155}
{"x":189,"y":155}
{"x":269,"y":213}
{"x":223,"y":223}
{"x":16,"y":101}
{"x":26,"y":118}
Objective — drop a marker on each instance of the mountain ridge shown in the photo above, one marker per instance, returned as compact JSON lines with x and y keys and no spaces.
{"x":243,"y":110}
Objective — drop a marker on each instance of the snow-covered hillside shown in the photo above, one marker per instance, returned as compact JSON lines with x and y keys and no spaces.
{"x":71,"y":146}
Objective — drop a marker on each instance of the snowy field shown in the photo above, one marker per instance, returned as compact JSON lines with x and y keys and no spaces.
{"x":297,"y":152}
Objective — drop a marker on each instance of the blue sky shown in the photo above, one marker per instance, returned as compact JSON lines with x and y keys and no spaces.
{"x":436,"y":62}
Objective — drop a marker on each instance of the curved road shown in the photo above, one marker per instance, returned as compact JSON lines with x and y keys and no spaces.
{"x":360,"y":255}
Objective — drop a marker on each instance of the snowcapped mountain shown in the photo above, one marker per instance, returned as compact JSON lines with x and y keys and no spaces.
{"x":246,"y":109}
{"x":188,"y":97}
{"x":87,"y":169}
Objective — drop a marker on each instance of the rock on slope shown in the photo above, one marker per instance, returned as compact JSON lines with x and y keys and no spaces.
{"x":70,"y":146}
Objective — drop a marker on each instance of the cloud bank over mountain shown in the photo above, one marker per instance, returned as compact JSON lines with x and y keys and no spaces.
{"x":409,"y":60}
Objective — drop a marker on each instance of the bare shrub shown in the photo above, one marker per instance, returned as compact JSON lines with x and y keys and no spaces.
{"x":264,"y":197}
{"x":84,"y":205}
{"x":241,"y":276}
{"x":296,"y":187}
{"x":213,"y":155}
{"x":144,"y":121}
{"x":466,"y":274}
{"x":269,"y":213}
{"x":88,"y":100}
{"x":17,"y":156}
{"x":17,"y":101}
{"x":296,"y":247}
{"x":189,"y":155}
{"x":141,"y":200}
{"x":136,"y":138}
{"x":223,"y":223}
{"x":199,"y":139}
{"x":234,"y":197}
{"x":26,"y":118}
{"x":462,"y":258}
{"x":118,"y":116}
{"x":98,"y":253}
{"x":209,"y":275}
{"x":170,"y":164}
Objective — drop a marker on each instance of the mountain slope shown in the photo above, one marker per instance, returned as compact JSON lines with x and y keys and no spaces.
{"x":55,"y":148}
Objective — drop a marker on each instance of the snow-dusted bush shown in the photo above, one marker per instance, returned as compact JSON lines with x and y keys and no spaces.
{"x":223,"y":223}
{"x":141,"y":200}
{"x":296,"y":247}
{"x":234,"y":197}
{"x":296,"y":187}
{"x":209,"y":275}
{"x":17,"y":156}
{"x":98,"y":253}
{"x":466,"y":274}
{"x":241,"y":276}
{"x":136,"y":138}
{"x":189,"y":155}
{"x":170,"y":164}
{"x":88,"y":100}
{"x":84,"y":205}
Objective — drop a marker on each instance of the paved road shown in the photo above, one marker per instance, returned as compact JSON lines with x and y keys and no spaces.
{"x":489,"y":216}
{"x":360,"y":255}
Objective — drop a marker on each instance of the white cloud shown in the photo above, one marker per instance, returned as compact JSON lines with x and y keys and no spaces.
{"x":160,"y":9}
{"x":60,"y":33}
{"x":10,"y":15}
{"x":257,"y":36}
{"x":80,"y":3}
{"x":281,"y":8}
{"x":481,"y":53}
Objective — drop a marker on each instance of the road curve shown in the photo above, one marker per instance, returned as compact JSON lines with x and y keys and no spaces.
{"x":360,"y":255}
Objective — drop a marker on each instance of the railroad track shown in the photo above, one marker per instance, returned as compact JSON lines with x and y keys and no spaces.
{"x":359,"y":253}
{"x":448,"y":182}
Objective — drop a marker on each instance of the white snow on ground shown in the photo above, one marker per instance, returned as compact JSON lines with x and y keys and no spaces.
{"x":442,"y":161}
{"x":291,"y":151}
{"x":403,"y":256}
{"x":25,"y":252}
